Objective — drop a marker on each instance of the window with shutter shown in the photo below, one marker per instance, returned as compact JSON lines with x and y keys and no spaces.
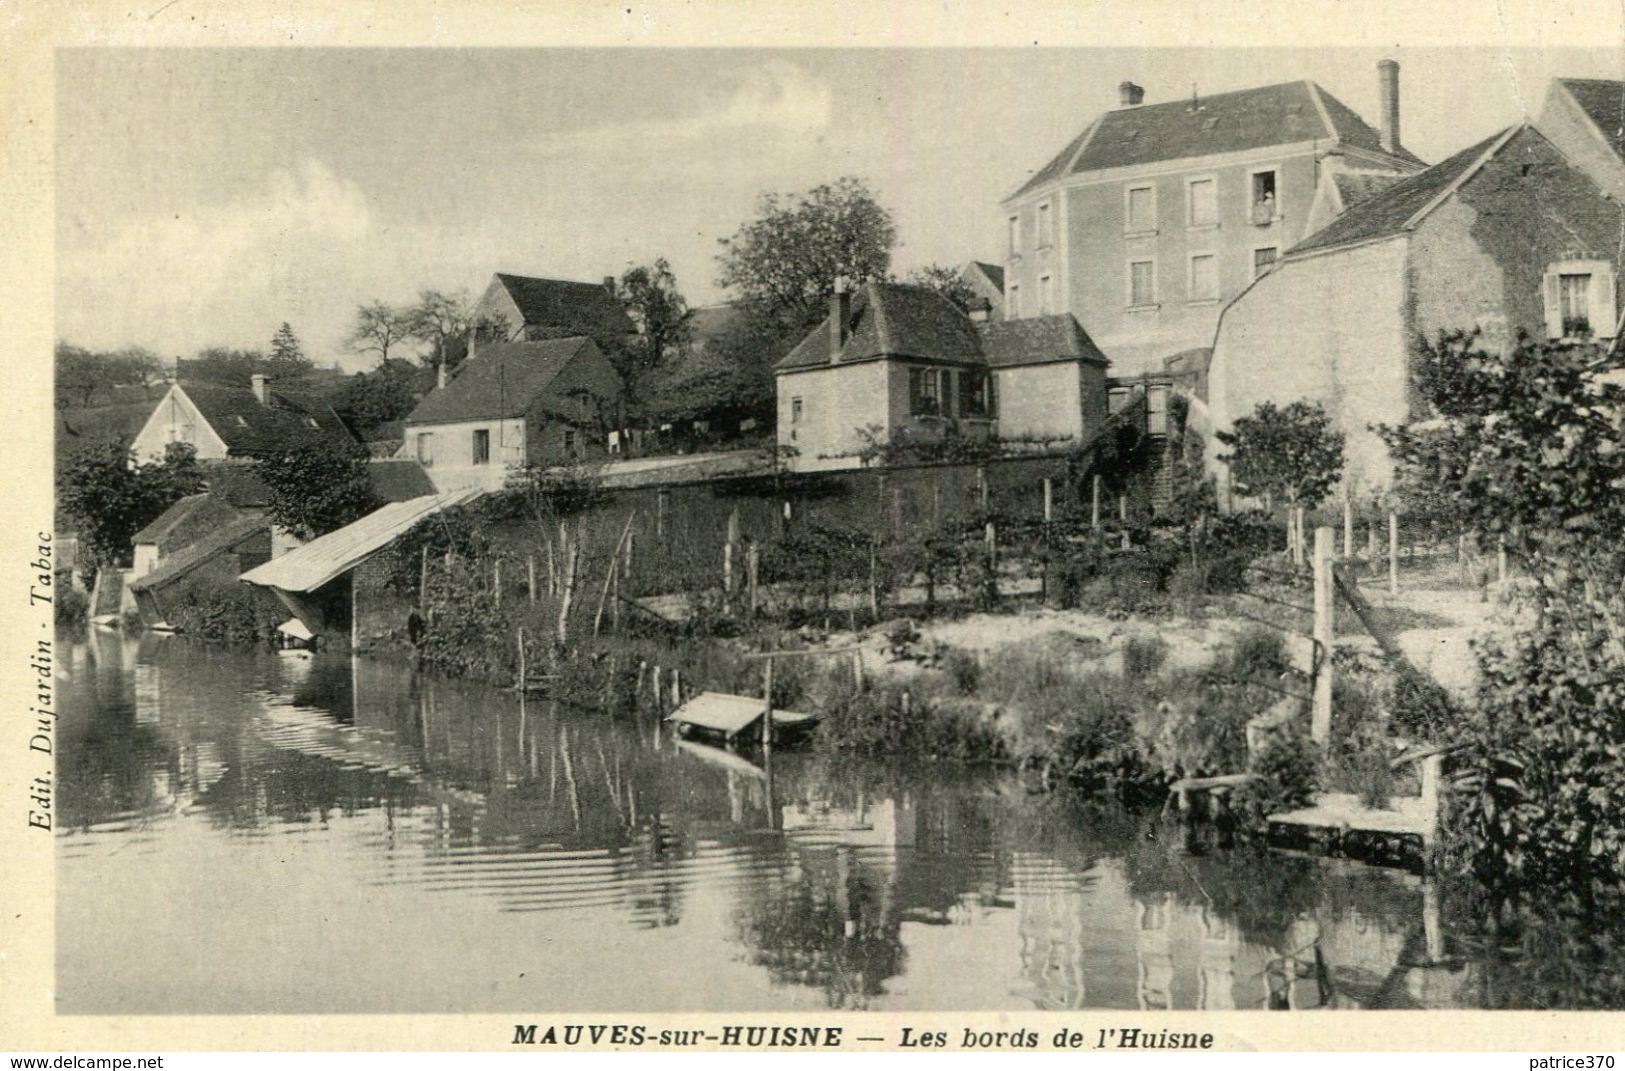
{"x":1580,"y":300}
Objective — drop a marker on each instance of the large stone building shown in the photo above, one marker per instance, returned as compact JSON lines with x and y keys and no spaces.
{"x":1507,"y":235}
{"x":1156,"y":215}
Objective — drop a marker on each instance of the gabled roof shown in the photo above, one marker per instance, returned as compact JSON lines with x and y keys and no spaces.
{"x":236,"y":482}
{"x":1399,"y":207}
{"x":992,"y":272}
{"x":185,"y":561}
{"x":1224,"y":122}
{"x":291,"y":420}
{"x":568,"y":306}
{"x":501,"y":381}
{"x":397,"y":479}
{"x":309,"y":567}
{"x":1603,"y":101}
{"x":893,"y":320}
{"x":1041,"y":338}
{"x":186,"y":521}
{"x":1355,"y":186}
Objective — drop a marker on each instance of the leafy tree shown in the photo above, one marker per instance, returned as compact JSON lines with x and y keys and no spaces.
{"x":1288,"y":453}
{"x":109,"y":496}
{"x":224,"y":366}
{"x":439,"y":319}
{"x":1526,"y":447}
{"x":786,"y":261}
{"x":947,"y":281}
{"x":317,"y":488}
{"x":378,"y":327}
{"x":287,"y":357}
{"x":79,"y":375}
{"x":660,"y":313}
{"x":388,"y":392}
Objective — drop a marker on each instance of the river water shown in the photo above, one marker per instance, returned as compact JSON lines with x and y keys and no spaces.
{"x":277,"y":832}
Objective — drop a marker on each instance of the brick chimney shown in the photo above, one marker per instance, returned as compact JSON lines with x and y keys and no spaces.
{"x":440,"y":374}
{"x":261,"y":391}
{"x":1388,"y":93}
{"x":840,"y":318}
{"x":1129,"y":95}
{"x":609,"y":285}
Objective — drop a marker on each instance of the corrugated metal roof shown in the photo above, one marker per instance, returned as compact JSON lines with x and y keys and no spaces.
{"x":336,"y":553}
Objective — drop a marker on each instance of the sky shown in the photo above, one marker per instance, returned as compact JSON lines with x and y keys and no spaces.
{"x":204,"y":196}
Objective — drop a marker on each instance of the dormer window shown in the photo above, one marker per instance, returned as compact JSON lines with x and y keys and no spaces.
{"x":1580,"y":301}
{"x":241,"y":423}
{"x":310,"y":422}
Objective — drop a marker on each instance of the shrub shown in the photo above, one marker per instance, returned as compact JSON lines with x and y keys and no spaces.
{"x":964,"y":670}
{"x":222,"y":612}
{"x":1286,"y":767}
{"x":1143,"y":656}
{"x":1357,"y":758}
{"x":69,"y":605}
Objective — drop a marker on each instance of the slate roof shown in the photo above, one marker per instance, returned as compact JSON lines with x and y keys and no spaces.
{"x":1041,"y":338}
{"x":1388,"y":213}
{"x":577,"y":308}
{"x":249,"y":428}
{"x":1224,"y":122}
{"x":1603,"y":101}
{"x":397,"y":479}
{"x":186,"y":521}
{"x":1355,"y":186}
{"x":181,"y":563}
{"x":893,"y":320}
{"x":236,"y":483}
{"x":501,"y":382}
{"x":993,"y":272}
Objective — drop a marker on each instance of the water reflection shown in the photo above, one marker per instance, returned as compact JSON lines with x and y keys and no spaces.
{"x":286,"y":832}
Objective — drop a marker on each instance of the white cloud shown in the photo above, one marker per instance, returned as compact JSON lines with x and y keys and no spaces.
{"x":778,"y":98}
{"x":220,"y":274}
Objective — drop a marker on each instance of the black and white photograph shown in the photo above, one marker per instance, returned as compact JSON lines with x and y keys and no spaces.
{"x":797,"y":531}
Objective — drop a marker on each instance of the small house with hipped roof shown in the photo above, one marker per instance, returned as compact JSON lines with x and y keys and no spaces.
{"x":516,"y":404}
{"x":1506,"y":235}
{"x":896,"y":358}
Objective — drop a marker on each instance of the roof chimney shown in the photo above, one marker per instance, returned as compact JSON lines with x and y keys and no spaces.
{"x":261,"y":391}
{"x":1129,"y":94}
{"x":440,"y":373}
{"x":840,"y":316}
{"x":609,"y":285}
{"x":1388,"y":91}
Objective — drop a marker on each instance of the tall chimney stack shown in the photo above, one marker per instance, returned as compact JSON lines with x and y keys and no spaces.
{"x":261,"y":391}
{"x":1129,"y":94}
{"x":840,"y":317}
{"x":1388,"y":91}
{"x":440,"y":373}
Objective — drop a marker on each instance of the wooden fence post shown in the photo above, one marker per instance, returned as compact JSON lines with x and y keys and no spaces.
{"x":874,"y":579}
{"x":1049,"y":501}
{"x":981,"y":486}
{"x":753,"y":567}
{"x":1325,"y":608}
{"x":767,"y":709}
{"x":423,"y":581}
{"x":1094,"y":505}
{"x":662,"y":500}
{"x":1501,"y":560}
{"x":530,"y":576}
{"x":992,"y":537}
{"x":496,"y":582}
{"x":1393,"y":552}
{"x":1348,"y":528}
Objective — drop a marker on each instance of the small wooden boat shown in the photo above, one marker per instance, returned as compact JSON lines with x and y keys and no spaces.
{"x":735,"y":719}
